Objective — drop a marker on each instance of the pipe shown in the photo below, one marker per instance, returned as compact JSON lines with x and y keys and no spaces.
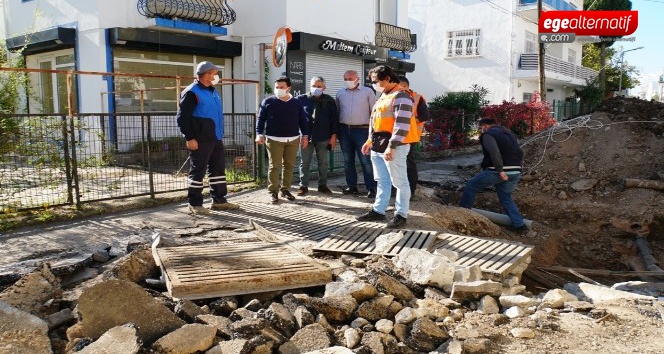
{"x":644,"y":183}
{"x":500,"y":219}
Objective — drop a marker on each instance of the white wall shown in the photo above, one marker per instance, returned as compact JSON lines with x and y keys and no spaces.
{"x":434,"y":73}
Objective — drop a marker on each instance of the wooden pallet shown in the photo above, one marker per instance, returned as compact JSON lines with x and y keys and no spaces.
{"x":214,"y":270}
{"x":360,"y":238}
{"x":493,"y":256}
{"x":286,"y":223}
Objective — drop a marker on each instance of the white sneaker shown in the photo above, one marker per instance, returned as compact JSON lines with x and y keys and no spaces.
{"x":198,"y":210}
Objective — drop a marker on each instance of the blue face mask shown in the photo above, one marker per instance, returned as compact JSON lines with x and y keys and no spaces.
{"x":316,"y":91}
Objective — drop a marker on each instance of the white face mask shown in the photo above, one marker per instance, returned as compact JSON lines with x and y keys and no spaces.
{"x":215,"y":80}
{"x":316,"y":91}
{"x":350,"y":83}
{"x":377,"y":88}
{"x":281,"y":92}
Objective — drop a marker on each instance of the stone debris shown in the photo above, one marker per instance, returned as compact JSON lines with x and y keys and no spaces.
{"x":120,"y":339}
{"x":22,"y":332}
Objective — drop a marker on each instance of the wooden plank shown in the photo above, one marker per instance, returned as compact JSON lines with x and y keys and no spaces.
{"x":508,"y":266}
{"x":204,"y":271}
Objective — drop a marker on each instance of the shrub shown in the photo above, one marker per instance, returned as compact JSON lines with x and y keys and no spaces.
{"x":521,"y":118}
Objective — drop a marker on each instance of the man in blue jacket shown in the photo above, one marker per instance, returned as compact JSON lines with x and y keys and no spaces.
{"x":323,"y":119}
{"x":201,"y":121}
{"x":281,"y":121}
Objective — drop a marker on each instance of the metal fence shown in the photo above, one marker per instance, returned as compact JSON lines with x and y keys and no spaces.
{"x":49,"y":160}
{"x":563,"y":109}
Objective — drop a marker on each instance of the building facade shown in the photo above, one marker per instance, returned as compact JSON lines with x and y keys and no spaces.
{"x":492,"y":44}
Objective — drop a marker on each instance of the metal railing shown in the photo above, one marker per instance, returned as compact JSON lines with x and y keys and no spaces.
{"x":49,"y":160}
{"x":564,"y":109}
{"x":553,"y":4}
{"x":528,"y":61}
{"x":216,"y":12}
{"x":393,"y":37}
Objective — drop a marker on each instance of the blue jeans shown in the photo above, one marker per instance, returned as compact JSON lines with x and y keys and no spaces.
{"x":305,"y":164}
{"x":504,"y":189}
{"x":351,"y":140}
{"x":390,"y":173}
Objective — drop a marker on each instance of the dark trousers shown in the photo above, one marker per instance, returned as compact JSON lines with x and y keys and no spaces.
{"x":411,"y":168}
{"x":210,"y":159}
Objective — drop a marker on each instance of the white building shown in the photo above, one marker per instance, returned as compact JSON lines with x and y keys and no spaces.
{"x":168,"y":38}
{"x":492,"y":44}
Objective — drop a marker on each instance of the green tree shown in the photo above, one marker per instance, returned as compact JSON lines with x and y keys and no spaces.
{"x":606,"y":42}
{"x":591,"y":59}
{"x":11,"y":83}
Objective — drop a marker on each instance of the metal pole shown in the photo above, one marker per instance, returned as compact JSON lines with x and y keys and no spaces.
{"x":622,"y":64}
{"x":541,"y":60}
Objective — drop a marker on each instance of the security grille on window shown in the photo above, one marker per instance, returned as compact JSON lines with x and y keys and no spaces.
{"x":527,"y":97}
{"x":464,"y":43}
{"x":531,"y":42}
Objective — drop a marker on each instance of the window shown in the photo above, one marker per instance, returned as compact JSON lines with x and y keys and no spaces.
{"x":531,"y":42}
{"x":51,"y":88}
{"x":464,"y":43}
{"x":571,"y":56}
{"x":527,"y":97}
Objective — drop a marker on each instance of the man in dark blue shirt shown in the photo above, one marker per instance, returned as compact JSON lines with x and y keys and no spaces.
{"x":281,"y":121}
{"x":201,"y":121}
{"x":323,"y":120}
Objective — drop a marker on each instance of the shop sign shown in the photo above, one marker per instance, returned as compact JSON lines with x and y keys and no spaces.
{"x":339,"y":46}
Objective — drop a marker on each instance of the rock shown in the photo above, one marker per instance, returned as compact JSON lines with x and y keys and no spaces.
{"x":641,"y":287}
{"x":261,"y":345}
{"x":332,"y":350}
{"x":520,"y":332}
{"x":309,"y":338}
{"x":385,"y":242}
{"x":241,"y":314}
{"x":389,"y":285}
{"x":187,"y":310}
{"x":514,"y":312}
{"x":224,"y":305}
{"x":59,"y":318}
{"x":468,"y":274}
{"x":436,"y":294}
{"x":115,"y":302}
{"x":360,"y":291}
{"x":452,"y":256}
{"x":582,"y":167}
{"x":75,"y":331}
{"x":235,"y":346}
{"x":359,"y":322}
{"x":597,"y":294}
{"x":556,"y":298}
{"x":384,"y":326}
{"x":488,"y":305}
{"x":426,"y":335}
{"x":222,"y":324}
{"x":352,"y":337}
{"x":375,"y":309}
{"x":476,"y":345}
{"x":33,"y":290}
{"x":293,"y":301}
{"x":335,"y":308}
{"x":425,"y":268}
{"x":279,"y":317}
{"x":451,"y":347}
{"x":432,"y":308}
{"x":562,"y":195}
{"x":584,"y":184}
{"x":134,"y":267}
{"x":78,"y":276}
{"x":378,"y":342}
{"x":400,"y":331}
{"x":405,"y":316}
{"x":348,"y":276}
{"x":476,"y":289}
{"x":578,"y":306}
{"x":517,"y":300}
{"x":358,"y":263}
{"x":120,"y":339}
{"x":248,"y":327}
{"x":189,"y":338}
{"x":303,"y":317}
{"x":253,"y":305}
{"x":22,"y":332}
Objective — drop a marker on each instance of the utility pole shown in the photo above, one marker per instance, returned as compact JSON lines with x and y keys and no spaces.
{"x":540,"y":59}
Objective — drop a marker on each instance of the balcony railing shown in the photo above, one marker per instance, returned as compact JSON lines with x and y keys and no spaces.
{"x":393,"y":37}
{"x":216,"y":12}
{"x":553,"y":64}
{"x":553,"y":4}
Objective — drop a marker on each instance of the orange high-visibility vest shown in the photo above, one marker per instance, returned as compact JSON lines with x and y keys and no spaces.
{"x":383,"y":118}
{"x":416,"y":101}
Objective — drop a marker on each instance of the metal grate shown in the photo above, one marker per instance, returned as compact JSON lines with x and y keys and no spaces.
{"x":361,"y":239}
{"x":286,"y":223}
{"x":206,"y":271}
{"x":495,"y":257}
